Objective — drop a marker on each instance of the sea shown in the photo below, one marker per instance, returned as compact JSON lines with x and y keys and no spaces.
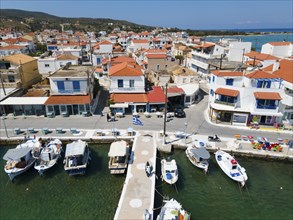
{"x":95,"y":195}
{"x":258,"y":37}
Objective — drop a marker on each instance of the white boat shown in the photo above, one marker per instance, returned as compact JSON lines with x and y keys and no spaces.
{"x":19,"y":159}
{"x":199,"y":157}
{"x":48,"y":155}
{"x":231,"y":167}
{"x":77,"y":156}
{"x":169,"y":171}
{"x":119,"y":157}
{"x":173,"y":210}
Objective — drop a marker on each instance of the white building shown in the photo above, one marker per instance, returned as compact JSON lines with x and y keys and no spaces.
{"x":278,"y":49}
{"x":136,"y":45}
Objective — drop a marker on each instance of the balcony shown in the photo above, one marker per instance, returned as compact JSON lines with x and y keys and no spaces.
{"x":225,"y":103}
{"x":266,"y":106}
{"x":69,"y":92}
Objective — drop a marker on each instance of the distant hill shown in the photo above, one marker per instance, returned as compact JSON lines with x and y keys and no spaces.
{"x":37,"y":21}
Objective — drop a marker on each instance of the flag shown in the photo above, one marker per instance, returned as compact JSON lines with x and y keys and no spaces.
{"x":136,"y":121}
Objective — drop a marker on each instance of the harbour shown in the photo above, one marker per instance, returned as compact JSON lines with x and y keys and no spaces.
{"x":137,"y":192}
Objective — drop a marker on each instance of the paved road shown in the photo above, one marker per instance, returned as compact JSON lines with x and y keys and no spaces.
{"x":196,"y":121}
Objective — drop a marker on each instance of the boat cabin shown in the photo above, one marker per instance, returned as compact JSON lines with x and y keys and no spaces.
{"x":233,"y":164}
{"x":119,"y":157}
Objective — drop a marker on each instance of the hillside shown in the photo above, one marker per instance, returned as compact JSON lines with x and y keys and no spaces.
{"x":37,"y":21}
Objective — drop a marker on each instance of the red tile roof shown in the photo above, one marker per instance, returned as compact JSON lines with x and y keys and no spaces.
{"x":128,"y":97}
{"x":227,"y":92}
{"x":259,"y":74}
{"x":156,"y":95}
{"x":11,"y":47}
{"x":156,"y":56}
{"x":267,"y":95}
{"x":140,"y":41}
{"x":68,"y":99}
{"x":280,"y":43}
{"x":285,"y":70}
{"x":226,"y":73}
{"x":175,"y":89}
{"x":121,"y":59}
{"x":205,"y":45}
{"x":124,"y":69}
{"x":260,"y":56}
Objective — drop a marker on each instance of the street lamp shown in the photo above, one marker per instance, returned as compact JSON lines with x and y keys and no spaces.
{"x":5,"y":126}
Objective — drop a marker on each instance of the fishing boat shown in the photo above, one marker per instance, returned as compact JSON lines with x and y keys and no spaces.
{"x":77,"y":157}
{"x":169,"y":171}
{"x":199,"y":157}
{"x":119,"y":157}
{"x":19,"y":159}
{"x":231,"y":167}
{"x":48,"y":155}
{"x":173,"y":210}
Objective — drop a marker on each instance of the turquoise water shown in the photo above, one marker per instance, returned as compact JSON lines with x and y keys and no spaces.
{"x":96,"y":194}
{"x":59,"y":196}
{"x":215,"y":196}
{"x":258,"y":40}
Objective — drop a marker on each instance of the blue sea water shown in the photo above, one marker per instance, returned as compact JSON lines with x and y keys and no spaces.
{"x":258,"y":40}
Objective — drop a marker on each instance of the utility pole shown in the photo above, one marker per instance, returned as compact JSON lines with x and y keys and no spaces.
{"x":165,"y":111}
{"x":5,"y":126}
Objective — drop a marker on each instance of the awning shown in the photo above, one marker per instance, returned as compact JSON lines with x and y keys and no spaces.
{"x":118,"y":149}
{"x":268,"y":95}
{"x":24,"y":101}
{"x":119,"y":105}
{"x":227,"y":92}
{"x":68,"y":99}
{"x":201,"y":152}
{"x":75,"y":148}
{"x":17,"y":153}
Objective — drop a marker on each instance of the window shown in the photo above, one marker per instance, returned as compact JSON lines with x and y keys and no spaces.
{"x":131,"y":83}
{"x":158,"y":67}
{"x":120,"y":83}
{"x":47,"y":65}
{"x":229,"y":82}
{"x":212,"y":92}
{"x":11,"y":78}
{"x":63,"y":108}
{"x":213,"y":79}
{"x":60,"y":86}
{"x":266,"y":104}
{"x":263,"y":84}
{"x":76,"y":86}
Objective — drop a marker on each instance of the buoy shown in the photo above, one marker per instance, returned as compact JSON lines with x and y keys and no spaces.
{"x":281,"y":187}
{"x":220,"y":188}
{"x":27,"y":189}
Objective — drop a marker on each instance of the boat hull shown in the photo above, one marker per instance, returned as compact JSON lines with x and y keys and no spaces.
{"x":239,"y":174}
{"x":202,"y":165}
{"x":12,"y":173}
{"x":169,"y":175}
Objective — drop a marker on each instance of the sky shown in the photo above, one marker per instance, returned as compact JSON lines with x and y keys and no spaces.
{"x":192,"y":14}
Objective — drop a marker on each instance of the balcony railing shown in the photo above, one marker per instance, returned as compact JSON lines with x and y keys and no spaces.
{"x":69,"y":92}
{"x":225,"y":103}
{"x":266,"y":106}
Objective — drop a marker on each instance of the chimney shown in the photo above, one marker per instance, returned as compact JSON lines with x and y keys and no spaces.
{"x":276,"y":65}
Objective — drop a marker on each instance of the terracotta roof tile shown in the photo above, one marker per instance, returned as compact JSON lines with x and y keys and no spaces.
{"x":156,"y":95}
{"x":19,"y":59}
{"x":267,"y":95}
{"x":11,"y":47}
{"x":175,"y":89}
{"x":67,"y":57}
{"x":140,"y":41}
{"x":68,"y":99}
{"x":226,"y":73}
{"x":128,"y":97}
{"x":280,"y":43}
{"x":156,"y":56}
{"x":259,"y":74}
{"x":124,"y":69}
{"x":285,"y":70}
{"x":227,"y":92}
{"x":260,"y":56}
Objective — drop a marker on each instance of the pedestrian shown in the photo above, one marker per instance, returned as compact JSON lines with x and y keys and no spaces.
{"x":108,"y":117}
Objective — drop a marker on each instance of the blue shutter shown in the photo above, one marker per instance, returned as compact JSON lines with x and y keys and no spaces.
{"x":60,"y":86}
{"x":258,"y":84}
{"x":269,"y":84}
{"x":76,"y":86}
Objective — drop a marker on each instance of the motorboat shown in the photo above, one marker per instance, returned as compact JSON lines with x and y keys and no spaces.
{"x":199,"y":157}
{"x":119,"y":157}
{"x":77,"y":157}
{"x":19,"y":159}
{"x":173,"y":210}
{"x":231,"y":167}
{"x":169,"y":171}
{"x":48,"y":155}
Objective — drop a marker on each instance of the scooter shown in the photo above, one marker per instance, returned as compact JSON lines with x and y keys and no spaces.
{"x":214,"y":138}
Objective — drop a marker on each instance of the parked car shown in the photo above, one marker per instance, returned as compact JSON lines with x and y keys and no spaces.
{"x":179,"y":112}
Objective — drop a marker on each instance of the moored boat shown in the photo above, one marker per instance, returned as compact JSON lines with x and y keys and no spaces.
{"x":231,"y":167}
{"x":119,"y":157}
{"x":199,"y":157}
{"x":77,"y":156}
{"x":19,"y":159}
{"x":48,"y":155}
{"x":173,"y":210}
{"x":169,"y":171}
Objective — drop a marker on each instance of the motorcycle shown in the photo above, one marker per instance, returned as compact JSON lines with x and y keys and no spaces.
{"x":214,"y":138}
